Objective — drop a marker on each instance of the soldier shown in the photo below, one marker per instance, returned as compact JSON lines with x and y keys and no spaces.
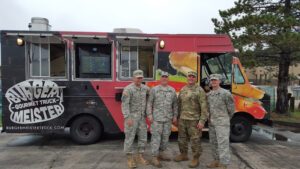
{"x":163,"y":101}
{"x":133,"y":108}
{"x":221,"y":106}
{"x":192,"y":109}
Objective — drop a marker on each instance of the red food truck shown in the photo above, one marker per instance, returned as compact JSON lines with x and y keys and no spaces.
{"x":52,"y":80}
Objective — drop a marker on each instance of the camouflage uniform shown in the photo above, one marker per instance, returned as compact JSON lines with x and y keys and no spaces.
{"x":133,"y":108}
{"x":163,"y":100}
{"x":192,"y":108}
{"x":221,"y":107}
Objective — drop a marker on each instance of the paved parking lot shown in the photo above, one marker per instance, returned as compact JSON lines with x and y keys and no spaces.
{"x":59,"y":152}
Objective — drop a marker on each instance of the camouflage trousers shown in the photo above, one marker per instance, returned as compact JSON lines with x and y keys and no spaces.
{"x":188,"y":131}
{"x":160,"y":132}
{"x":219,"y":140}
{"x":139,"y":127}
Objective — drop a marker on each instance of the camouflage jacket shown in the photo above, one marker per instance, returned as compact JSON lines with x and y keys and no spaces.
{"x":192,"y":104}
{"x":163,"y":102}
{"x":221,"y":106}
{"x":134,"y":101}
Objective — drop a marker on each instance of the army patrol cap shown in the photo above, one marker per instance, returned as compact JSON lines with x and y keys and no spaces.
{"x":138,"y":73}
{"x":192,"y":73}
{"x":214,"y":77}
{"x":165,"y":74}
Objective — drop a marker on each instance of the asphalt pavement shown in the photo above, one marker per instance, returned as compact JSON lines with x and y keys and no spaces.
{"x":267,"y":148}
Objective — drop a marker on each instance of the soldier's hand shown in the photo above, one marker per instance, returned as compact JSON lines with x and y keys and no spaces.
{"x":150,"y":120}
{"x":200,"y":126}
{"x":174,"y":120}
{"x":129,"y":122}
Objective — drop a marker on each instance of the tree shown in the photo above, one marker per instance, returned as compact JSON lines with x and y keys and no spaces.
{"x":265,"y":30}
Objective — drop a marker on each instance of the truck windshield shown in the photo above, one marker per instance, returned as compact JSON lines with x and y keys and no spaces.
{"x":221,"y":64}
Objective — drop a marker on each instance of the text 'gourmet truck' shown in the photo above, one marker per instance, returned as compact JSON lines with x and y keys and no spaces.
{"x":53,"y":80}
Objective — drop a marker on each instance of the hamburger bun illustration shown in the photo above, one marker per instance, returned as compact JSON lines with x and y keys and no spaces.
{"x":183,"y":62}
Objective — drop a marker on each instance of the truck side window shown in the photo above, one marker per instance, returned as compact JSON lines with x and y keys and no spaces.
{"x":238,"y":77}
{"x":204,"y":73}
{"x":47,"y":60}
{"x":93,"y":61}
{"x":57,"y":60}
{"x":129,"y":60}
{"x":221,"y":64}
{"x":137,"y":57}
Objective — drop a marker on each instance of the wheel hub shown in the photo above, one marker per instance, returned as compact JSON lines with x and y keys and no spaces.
{"x":85,"y":129}
{"x":238,"y":129}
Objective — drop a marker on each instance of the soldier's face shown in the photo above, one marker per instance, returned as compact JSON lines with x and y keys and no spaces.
{"x":191,"y":80}
{"x":215,"y":83}
{"x":137,"y":80}
{"x":164,"y":80}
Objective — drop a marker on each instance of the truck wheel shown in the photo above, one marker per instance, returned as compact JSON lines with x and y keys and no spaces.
{"x":85,"y":130}
{"x":240,"y":129}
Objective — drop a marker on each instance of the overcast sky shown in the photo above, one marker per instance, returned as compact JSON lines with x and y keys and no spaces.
{"x":151,"y":16}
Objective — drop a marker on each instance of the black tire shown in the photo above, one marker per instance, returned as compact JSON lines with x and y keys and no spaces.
{"x":240,"y":129}
{"x":86,"y":130}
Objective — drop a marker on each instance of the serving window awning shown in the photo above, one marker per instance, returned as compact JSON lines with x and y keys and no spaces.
{"x":29,"y":34}
{"x":38,"y":37}
{"x":137,"y":41}
{"x":102,"y":39}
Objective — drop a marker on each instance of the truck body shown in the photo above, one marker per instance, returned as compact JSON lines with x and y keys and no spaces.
{"x":52,"y":80}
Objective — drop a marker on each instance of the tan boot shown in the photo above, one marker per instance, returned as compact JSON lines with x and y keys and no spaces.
{"x":195,"y":162}
{"x":140,"y":159}
{"x":155,"y":162}
{"x":181,"y":157}
{"x":213,"y":164}
{"x":163,"y":157}
{"x":221,"y":166}
{"x":130,"y":161}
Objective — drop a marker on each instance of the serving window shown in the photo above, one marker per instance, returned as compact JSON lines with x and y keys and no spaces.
{"x":91,"y":57}
{"x":137,"y":54}
{"x":93,"y":60}
{"x":47,"y":57}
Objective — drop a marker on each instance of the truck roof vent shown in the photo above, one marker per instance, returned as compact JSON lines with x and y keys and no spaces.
{"x":39,"y":24}
{"x":127,"y":30}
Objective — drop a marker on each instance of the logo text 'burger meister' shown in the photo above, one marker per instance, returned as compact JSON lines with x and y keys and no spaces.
{"x":35,"y":101}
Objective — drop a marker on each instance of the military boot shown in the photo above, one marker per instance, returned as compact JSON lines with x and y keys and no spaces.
{"x":130,"y":161}
{"x":155,"y":162}
{"x":213,"y":164}
{"x":195,"y":162}
{"x":163,"y":157}
{"x":181,"y":157}
{"x":140,"y":159}
{"x":221,"y":166}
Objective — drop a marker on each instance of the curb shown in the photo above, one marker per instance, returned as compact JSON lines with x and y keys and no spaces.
{"x":284,"y":123}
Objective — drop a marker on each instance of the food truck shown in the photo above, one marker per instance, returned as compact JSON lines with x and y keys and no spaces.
{"x":52,"y":80}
